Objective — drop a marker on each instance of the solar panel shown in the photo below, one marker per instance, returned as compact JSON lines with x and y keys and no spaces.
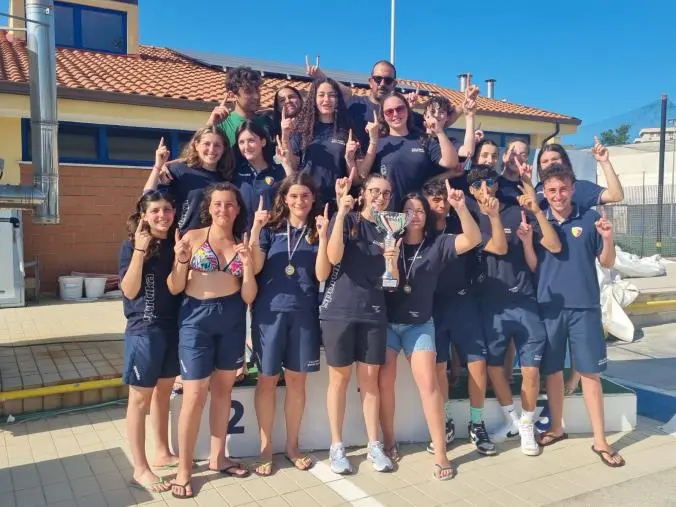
{"x":280,"y":70}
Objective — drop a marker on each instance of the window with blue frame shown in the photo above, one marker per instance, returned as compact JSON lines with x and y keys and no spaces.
{"x":84,"y":27}
{"x":85,"y":143}
{"x":499,"y":138}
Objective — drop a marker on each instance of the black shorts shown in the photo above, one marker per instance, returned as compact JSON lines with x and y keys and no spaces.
{"x":347,"y":342}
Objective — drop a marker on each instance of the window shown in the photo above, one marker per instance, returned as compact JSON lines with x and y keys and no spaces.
{"x":84,"y":143}
{"x":499,"y":138}
{"x":83,"y":27}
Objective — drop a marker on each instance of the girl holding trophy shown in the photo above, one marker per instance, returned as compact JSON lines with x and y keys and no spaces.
{"x":424,"y":252}
{"x":352,"y":315}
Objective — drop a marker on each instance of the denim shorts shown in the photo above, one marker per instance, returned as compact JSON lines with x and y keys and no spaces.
{"x":411,"y":337}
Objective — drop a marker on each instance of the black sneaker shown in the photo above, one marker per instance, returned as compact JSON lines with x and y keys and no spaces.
{"x":450,"y":436}
{"x":479,"y":437}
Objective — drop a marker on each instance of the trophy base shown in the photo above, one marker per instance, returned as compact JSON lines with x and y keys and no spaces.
{"x":390,"y":283}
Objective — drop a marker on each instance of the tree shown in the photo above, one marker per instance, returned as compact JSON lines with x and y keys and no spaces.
{"x":618,"y":136}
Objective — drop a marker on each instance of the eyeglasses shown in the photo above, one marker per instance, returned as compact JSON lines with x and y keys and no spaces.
{"x":383,"y":79}
{"x":477,"y":184}
{"x":400,"y":110}
{"x":376,"y":192}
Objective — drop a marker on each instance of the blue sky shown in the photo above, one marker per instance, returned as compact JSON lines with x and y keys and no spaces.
{"x":592,"y":59}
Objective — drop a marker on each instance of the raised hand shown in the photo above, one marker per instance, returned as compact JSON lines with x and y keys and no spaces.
{"x":434,"y":125}
{"x":142,"y":236}
{"x":601,"y":153}
{"x":281,"y":152}
{"x":181,"y":248}
{"x":391,"y":253}
{"x":221,"y":111}
{"x":373,"y":128}
{"x":287,"y":124}
{"x":313,"y":70}
{"x":529,"y":203}
{"x":351,"y":147}
{"x":412,"y":97}
{"x":322,"y":222}
{"x":161,"y":154}
{"x":525,"y":170}
{"x":603,"y":226}
{"x":456,"y":198}
{"x":343,"y":185}
{"x":478,"y":135}
{"x":345,"y":204}
{"x":243,"y":250}
{"x":469,"y":103}
{"x":488,"y":205}
{"x":262,"y":216}
{"x":525,"y":230}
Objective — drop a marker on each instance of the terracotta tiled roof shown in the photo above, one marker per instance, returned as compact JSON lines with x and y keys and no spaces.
{"x":161,"y":72}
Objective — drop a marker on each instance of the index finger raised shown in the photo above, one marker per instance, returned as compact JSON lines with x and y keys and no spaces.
{"x":326,"y":211}
{"x":307,"y":61}
{"x":448,"y":188}
{"x":523,"y":217}
{"x":350,"y":178}
{"x":260,"y":203}
{"x":245,"y":239}
{"x":161,"y":142}
{"x":349,"y":136}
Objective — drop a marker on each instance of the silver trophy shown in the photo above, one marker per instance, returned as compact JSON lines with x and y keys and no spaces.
{"x":392,"y":223}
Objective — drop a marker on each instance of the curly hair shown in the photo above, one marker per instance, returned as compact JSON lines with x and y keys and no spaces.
{"x":242,"y":77}
{"x":225,"y":165}
{"x":435,"y":187}
{"x":142,"y":207}
{"x":239,"y":227}
{"x":410,"y":121}
{"x":277,"y":110}
{"x":280,"y":211}
{"x":308,"y":117}
{"x":481,"y":172}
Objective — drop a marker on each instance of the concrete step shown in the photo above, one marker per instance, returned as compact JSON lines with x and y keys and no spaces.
{"x":51,"y":402}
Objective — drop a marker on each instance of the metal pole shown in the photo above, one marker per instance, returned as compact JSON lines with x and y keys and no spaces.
{"x":643,"y":205}
{"x":392,"y":33}
{"x":660,"y":178}
{"x":672,"y":124}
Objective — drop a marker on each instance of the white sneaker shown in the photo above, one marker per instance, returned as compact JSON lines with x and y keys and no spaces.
{"x":529,"y":445}
{"x":508,"y":430}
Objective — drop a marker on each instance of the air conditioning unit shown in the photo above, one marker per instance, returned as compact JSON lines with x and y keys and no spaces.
{"x":12,"y":285}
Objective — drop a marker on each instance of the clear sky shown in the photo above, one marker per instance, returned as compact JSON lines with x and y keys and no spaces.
{"x":593,"y":59}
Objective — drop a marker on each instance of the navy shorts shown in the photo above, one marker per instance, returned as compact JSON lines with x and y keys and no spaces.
{"x":211,"y":336}
{"x":348,"y":342}
{"x":515,"y":318}
{"x":583,"y":329}
{"x":458,"y":321}
{"x":286,"y":339}
{"x":150,"y":355}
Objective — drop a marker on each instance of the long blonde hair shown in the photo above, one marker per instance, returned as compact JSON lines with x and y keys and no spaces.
{"x":225,"y":165}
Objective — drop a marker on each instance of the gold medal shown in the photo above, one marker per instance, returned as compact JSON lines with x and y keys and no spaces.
{"x":289,"y":270}
{"x":407,"y":289}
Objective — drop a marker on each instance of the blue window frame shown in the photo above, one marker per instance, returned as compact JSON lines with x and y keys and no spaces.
{"x":499,"y":138}
{"x":84,"y":27}
{"x":87,"y":143}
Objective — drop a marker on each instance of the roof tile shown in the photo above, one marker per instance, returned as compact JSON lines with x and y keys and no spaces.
{"x":161,"y":72}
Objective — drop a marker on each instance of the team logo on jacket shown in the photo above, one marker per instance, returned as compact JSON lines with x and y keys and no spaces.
{"x":576,"y":231}
{"x":269,"y":180}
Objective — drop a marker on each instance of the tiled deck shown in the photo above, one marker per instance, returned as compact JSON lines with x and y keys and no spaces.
{"x":83,"y":460}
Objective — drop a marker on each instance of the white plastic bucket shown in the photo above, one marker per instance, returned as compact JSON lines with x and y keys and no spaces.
{"x":70,"y":287}
{"x":95,"y":287}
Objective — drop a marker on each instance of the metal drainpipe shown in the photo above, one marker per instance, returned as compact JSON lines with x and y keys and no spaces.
{"x":43,"y":196}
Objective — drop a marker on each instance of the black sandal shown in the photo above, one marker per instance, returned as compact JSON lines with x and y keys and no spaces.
{"x":183,"y":487}
{"x":234,"y":466}
{"x":611,"y":464}
{"x":553,"y":438}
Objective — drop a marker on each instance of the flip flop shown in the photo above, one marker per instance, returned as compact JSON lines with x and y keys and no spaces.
{"x":611,"y":464}
{"x":183,"y":487}
{"x":173,"y":466}
{"x":265,"y":465}
{"x":438,"y":470}
{"x":554,"y":438}
{"x":238,"y":466}
{"x":301,"y":463}
{"x":148,"y":486}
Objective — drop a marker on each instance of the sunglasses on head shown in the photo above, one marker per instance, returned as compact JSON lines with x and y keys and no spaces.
{"x":383,"y":79}
{"x":477,"y":184}
{"x":400,"y":110}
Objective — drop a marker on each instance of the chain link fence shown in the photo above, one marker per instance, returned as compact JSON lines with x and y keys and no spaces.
{"x":636,"y":220}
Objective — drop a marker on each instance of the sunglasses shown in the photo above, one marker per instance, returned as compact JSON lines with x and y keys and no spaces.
{"x":382,"y":79}
{"x":400,"y":110}
{"x":477,"y":184}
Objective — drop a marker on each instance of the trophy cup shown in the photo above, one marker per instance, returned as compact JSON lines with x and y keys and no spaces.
{"x":392,"y":223}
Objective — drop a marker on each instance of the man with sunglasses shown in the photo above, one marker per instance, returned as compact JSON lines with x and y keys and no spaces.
{"x":509,"y":307}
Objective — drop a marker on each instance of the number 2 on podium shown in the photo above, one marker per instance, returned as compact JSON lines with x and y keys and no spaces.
{"x":233,"y":425}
